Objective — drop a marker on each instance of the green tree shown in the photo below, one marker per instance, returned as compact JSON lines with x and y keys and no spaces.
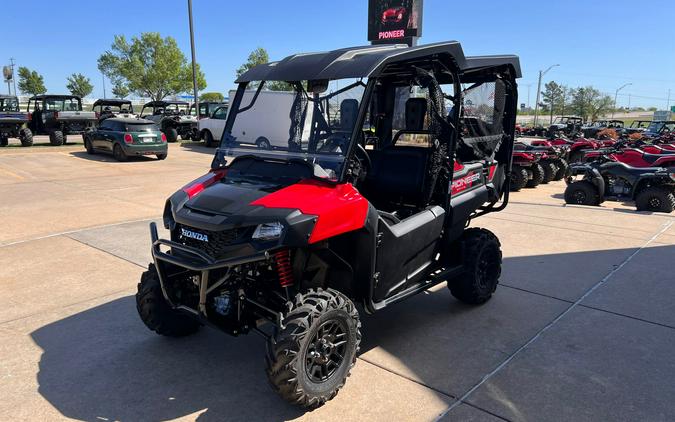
{"x":120,"y":90}
{"x":212,"y":96}
{"x":79,"y":85}
{"x":149,"y":66}
{"x":556,"y":98}
{"x":552,"y":95}
{"x":257,"y":57}
{"x":588,"y":102}
{"x":31,"y":82}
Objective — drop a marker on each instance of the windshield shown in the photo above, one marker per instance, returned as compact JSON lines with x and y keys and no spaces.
{"x":655,"y":127}
{"x":179,"y":109}
{"x":9,"y":104}
{"x":62,"y":104}
{"x":117,"y":108}
{"x":295,"y":124}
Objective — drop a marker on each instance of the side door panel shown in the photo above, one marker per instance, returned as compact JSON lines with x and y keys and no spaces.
{"x":405,"y":250}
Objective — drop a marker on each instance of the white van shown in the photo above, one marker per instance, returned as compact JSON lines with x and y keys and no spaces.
{"x":266,"y":123}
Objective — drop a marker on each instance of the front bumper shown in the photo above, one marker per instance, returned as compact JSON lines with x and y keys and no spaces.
{"x":193,"y":259}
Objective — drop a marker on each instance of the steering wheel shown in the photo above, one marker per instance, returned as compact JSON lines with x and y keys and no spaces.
{"x":332,"y":143}
{"x":361,"y":155}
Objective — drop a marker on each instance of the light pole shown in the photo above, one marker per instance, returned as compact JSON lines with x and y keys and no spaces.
{"x":536,"y":105}
{"x":616,"y":94}
{"x":194,"y":60}
{"x":103,"y":79}
{"x":11,"y":61}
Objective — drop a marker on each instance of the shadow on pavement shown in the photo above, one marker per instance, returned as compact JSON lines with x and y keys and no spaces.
{"x":197,"y":147}
{"x":103,"y":363}
{"x":108,"y":158}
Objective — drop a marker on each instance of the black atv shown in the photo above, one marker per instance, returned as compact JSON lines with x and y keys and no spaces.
{"x":565,"y":125}
{"x":173,"y":117}
{"x":13,"y":122}
{"x":652,"y":188}
{"x":286,"y":242}
{"x":59,"y":116}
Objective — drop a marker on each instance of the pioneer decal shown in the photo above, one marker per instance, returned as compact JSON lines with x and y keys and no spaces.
{"x":464,"y":183}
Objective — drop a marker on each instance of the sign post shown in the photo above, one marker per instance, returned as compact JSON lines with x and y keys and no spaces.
{"x":394,"y":21}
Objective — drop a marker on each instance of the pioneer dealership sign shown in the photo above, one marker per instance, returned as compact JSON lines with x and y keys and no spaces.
{"x":394,"y":21}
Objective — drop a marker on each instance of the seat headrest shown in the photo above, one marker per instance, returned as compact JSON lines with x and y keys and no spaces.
{"x":349,"y":111}
{"x":415,"y":111}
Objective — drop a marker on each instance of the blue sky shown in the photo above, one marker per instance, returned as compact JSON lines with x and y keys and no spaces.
{"x":599,"y":43}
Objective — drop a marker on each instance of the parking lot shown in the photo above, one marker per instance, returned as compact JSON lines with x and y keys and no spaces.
{"x":582,"y":326}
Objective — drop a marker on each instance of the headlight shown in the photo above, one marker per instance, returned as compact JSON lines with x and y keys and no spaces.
{"x":268,"y":231}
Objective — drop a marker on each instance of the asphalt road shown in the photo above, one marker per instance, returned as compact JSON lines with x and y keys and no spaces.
{"x":581,"y":328}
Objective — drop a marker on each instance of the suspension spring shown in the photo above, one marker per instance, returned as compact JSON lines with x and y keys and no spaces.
{"x":284,"y":268}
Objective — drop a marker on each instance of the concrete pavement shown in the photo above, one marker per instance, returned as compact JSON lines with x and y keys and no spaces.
{"x":581,"y":328}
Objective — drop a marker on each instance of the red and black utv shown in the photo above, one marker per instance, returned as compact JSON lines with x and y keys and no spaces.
{"x":367,"y":202}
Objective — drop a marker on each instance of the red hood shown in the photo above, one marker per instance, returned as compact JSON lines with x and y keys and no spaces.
{"x":339,"y":208}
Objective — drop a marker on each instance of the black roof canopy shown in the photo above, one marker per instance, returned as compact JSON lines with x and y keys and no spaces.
{"x":367,"y":61}
{"x":163,"y":103}
{"x":110,"y":102}
{"x":59,"y":96}
{"x":131,"y":120}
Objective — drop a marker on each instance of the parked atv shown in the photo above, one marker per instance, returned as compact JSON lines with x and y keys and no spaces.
{"x":13,"y":122}
{"x":526,"y":171}
{"x":59,"y":116}
{"x":652,"y":189}
{"x":637,"y":126}
{"x":634,"y":157}
{"x":173,"y":117}
{"x":565,"y":126}
{"x":592,"y":130}
{"x":554,"y":162}
{"x":285,"y":242}
{"x":105,"y":108}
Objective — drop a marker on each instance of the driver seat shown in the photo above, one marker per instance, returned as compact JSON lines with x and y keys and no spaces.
{"x":349,"y":112}
{"x":399,"y":174}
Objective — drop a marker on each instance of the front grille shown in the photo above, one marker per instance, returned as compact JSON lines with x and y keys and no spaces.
{"x":217,"y":241}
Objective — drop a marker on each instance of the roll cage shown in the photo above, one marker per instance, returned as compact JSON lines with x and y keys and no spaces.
{"x":39,"y":102}
{"x":160,"y":107}
{"x":119,"y":103}
{"x":442,"y":64}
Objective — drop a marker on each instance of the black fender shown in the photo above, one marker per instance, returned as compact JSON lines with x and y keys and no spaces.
{"x":589,"y":173}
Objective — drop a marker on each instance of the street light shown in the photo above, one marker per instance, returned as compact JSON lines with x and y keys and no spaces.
{"x":194,"y":60}
{"x":616,"y":94}
{"x":536,"y":105}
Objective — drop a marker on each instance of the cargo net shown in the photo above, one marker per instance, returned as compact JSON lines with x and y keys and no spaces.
{"x":482,"y":129}
{"x":297,"y":115}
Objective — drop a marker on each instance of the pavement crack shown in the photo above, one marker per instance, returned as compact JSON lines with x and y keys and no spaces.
{"x":407,"y":378}
{"x":628,"y":316}
{"x":67,"y":232}
{"x":104,"y":251}
{"x":557,"y":319}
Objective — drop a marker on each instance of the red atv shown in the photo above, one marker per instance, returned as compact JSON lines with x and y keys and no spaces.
{"x":365,"y":199}
{"x":578,"y":146}
{"x":634,"y":157}
{"x":553,"y":158}
{"x":526,"y":170}
{"x":393,"y":15}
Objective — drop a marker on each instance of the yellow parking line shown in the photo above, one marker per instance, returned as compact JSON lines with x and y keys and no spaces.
{"x":10,"y":173}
